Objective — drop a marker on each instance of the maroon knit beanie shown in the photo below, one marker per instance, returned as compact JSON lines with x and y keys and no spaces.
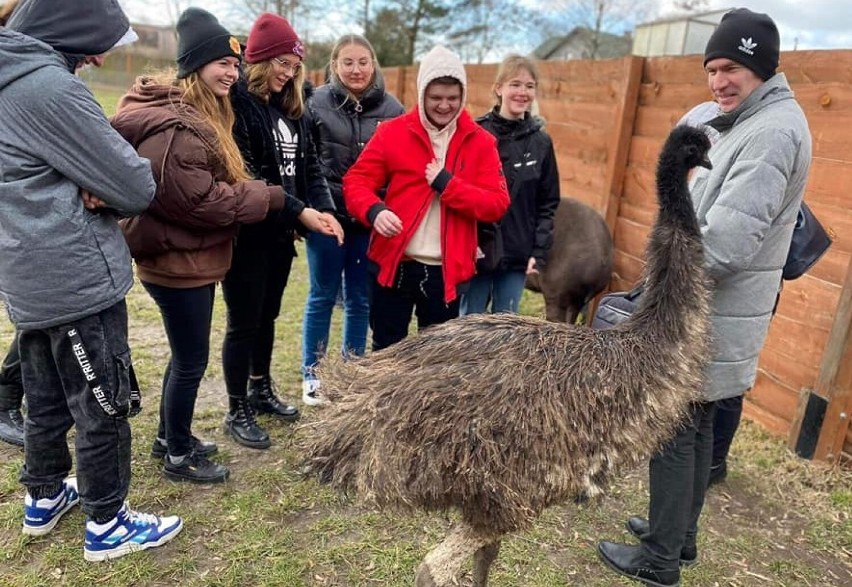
{"x":270,"y":36}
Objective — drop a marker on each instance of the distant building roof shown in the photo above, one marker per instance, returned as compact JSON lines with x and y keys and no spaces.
{"x":580,"y":44}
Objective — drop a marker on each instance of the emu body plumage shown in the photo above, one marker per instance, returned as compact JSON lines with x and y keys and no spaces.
{"x":500,"y":416}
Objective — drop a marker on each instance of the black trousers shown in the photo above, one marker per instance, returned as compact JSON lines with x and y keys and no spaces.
{"x":252,"y":290}
{"x":78,"y":374}
{"x":678,"y":481}
{"x":187,"y":315}
{"x":729,"y":411}
{"x":418,"y":288}
{"x":11,"y":386}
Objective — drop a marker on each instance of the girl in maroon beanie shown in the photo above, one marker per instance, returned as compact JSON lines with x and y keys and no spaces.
{"x":271,"y":131}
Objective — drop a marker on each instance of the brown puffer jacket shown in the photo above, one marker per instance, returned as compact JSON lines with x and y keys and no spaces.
{"x":185,"y":238}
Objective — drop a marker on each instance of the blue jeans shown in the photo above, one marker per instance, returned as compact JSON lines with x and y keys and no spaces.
{"x":503,"y":288}
{"x":187,"y":314}
{"x":330,"y":265}
{"x":79,"y":374}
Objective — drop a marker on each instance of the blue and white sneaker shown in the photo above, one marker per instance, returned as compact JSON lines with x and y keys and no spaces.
{"x":127,"y":532}
{"x":42,"y":515}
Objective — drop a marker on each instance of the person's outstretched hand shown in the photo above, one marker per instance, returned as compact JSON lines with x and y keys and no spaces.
{"x":322,"y":223}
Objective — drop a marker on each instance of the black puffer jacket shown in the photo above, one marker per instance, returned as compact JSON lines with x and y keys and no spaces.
{"x":529,"y":165}
{"x":253,"y":135}
{"x":342,"y":126}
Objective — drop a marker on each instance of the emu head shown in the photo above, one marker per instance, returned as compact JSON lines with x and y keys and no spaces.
{"x":690,"y":146}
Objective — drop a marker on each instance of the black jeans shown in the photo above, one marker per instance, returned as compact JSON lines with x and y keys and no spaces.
{"x":11,"y":386}
{"x":725,"y":424}
{"x":187,"y":315}
{"x":252,"y":290}
{"x":79,"y":374}
{"x":678,"y":481}
{"x":418,"y":288}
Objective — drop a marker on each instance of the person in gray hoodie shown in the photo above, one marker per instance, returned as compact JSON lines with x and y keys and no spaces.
{"x":746,"y":207}
{"x":65,"y":269}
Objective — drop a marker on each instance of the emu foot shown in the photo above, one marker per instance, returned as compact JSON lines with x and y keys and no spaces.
{"x":423,"y":578}
{"x":482,"y":560}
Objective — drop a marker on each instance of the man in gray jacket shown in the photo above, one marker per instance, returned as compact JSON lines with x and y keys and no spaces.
{"x":65,"y":270}
{"x":746,"y":207}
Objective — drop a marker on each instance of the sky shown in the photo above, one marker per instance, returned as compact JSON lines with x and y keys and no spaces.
{"x":803,"y":24}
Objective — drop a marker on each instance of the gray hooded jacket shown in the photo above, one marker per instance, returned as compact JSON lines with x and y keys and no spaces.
{"x":58,"y":261}
{"x":747,"y":207}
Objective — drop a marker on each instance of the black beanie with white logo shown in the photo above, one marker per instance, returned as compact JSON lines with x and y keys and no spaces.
{"x":749,"y":38}
{"x":201,"y":39}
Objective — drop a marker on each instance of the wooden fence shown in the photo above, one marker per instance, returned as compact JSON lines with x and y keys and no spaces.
{"x":608,"y":120}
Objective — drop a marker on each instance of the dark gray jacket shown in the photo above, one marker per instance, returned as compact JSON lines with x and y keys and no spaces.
{"x":58,"y":261}
{"x":342,"y":126}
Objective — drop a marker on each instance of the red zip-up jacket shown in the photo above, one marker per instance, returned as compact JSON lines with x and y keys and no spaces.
{"x":472,"y":189}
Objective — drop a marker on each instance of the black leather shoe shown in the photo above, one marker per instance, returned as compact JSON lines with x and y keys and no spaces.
{"x":628,"y":561}
{"x":718,"y":474}
{"x":195,"y":468}
{"x":242,"y":427}
{"x":640,"y":526}
{"x":203,"y":447}
{"x":261,"y":395}
{"x":12,"y":427}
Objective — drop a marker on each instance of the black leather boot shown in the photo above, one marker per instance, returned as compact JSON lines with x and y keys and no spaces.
{"x":12,"y":427}
{"x":629,"y":561}
{"x":640,"y":526}
{"x":262,"y":397}
{"x":242,"y":426}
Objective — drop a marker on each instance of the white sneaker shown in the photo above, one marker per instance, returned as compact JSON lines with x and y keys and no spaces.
{"x":310,"y":393}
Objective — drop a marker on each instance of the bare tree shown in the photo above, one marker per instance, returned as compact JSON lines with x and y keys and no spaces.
{"x":598,"y":17}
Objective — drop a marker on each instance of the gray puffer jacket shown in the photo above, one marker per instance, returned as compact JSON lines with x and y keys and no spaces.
{"x":746,"y":207}
{"x":60,"y":262}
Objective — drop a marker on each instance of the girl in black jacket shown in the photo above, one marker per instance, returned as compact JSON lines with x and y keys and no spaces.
{"x":518,"y":244}
{"x":271,"y":130}
{"x":345,"y":113}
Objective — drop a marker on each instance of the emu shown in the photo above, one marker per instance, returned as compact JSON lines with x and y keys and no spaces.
{"x":500,"y":416}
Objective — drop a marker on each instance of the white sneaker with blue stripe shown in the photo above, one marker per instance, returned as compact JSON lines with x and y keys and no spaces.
{"x":127,"y":532}
{"x":42,"y":515}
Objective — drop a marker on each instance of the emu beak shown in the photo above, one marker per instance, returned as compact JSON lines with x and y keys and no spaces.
{"x":706,"y":163}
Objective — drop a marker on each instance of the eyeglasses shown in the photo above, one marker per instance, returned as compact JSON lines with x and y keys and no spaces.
{"x":348,"y":65}
{"x":287,"y":66}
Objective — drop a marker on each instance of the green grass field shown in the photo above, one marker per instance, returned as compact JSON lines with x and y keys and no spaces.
{"x":778,"y":520}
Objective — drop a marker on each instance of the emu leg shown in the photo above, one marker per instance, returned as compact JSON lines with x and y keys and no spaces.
{"x":482,"y":560}
{"x":443,"y":563}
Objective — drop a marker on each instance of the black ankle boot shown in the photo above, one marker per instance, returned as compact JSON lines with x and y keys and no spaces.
{"x":262,"y":397}
{"x":242,"y":427}
{"x":12,"y":426}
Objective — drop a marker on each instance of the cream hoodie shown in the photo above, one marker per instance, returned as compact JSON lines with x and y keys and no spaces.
{"x":425,"y":244}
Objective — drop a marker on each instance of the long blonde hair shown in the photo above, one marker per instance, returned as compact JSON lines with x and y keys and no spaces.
{"x":217,"y":113}
{"x":292,"y":101}
{"x":511,"y":65}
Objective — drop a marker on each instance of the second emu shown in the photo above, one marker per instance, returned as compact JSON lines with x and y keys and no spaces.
{"x":500,"y":416}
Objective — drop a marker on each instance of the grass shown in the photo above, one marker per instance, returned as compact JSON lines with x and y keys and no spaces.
{"x":777,"y":521}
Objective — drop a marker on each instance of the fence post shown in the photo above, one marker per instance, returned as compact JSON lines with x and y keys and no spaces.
{"x":834,"y":383}
{"x":616,"y":165}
